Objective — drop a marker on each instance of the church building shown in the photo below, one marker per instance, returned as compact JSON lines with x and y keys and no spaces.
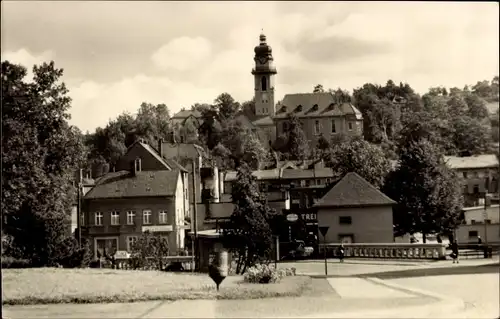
{"x":321,"y":114}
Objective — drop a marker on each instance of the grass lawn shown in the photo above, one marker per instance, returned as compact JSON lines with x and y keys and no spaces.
{"x":56,"y":285}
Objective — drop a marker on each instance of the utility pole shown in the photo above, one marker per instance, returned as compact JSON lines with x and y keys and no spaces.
{"x":485,"y":217}
{"x":195,"y":219}
{"x":79,"y":209}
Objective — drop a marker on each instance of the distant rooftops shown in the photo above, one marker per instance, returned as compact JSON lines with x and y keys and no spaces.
{"x":472,"y":162}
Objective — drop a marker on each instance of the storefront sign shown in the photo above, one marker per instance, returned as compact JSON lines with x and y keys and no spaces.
{"x":309,"y":216}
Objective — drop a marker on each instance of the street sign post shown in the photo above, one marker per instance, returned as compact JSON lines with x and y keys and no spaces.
{"x":323,"y":230}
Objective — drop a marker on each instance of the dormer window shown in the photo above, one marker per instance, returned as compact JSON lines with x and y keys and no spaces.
{"x":283,"y":109}
{"x":298,"y":109}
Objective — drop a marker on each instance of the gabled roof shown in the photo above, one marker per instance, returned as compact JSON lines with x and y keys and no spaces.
{"x":314,"y":105}
{"x":354,"y":191}
{"x":143,"y":184}
{"x":185,"y":114}
{"x":182,"y":150}
{"x":472,"y":162}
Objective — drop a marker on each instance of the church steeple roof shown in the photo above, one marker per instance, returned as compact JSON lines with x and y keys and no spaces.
{"x":263,"y":49}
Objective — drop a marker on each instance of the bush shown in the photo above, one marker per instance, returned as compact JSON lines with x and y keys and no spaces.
{"x":11,"y":262}
{"x":264,"y":274}
{"x":72,"y":256}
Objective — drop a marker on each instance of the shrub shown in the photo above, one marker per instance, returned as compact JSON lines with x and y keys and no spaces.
{"x":264,"y":274}
{"x":11,"y":262}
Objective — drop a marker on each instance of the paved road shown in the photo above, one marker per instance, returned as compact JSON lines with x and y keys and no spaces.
{"x":475,"y":282}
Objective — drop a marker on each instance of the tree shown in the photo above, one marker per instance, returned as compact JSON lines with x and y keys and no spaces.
{"x":323,"y":146}
{"x":494,"y":126}
{"x":318,"y":89}
{"x":149,"y":251}
{"x":248,"y":234}
{"x":40,"y":152}
{"x":471,"y":135}
{"x":297,"y":143}
{"x":382,"y":107}
{"x":476,"y":107}
{"x":353,"y":156}
{"x":239,"y":145}
{"x":428,"y":193}
{"x":226,"y":106}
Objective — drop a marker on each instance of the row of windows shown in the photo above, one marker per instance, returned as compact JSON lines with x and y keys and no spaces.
{"x":317,"y":127}
{"x":146,"y":217}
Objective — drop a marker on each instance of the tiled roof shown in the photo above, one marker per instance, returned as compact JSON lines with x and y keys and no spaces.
{"x":265,"y":121}
{"x":472,"y":162}
{"x":185,"y":114}
{"x":292,"y":174}
{"x":352,"y":191}
{"x":265,"y":174}
{"x":143,"y":184}
{"x":182,"y":150}
{"x":314,"y":105}
{"x":306,"y":173}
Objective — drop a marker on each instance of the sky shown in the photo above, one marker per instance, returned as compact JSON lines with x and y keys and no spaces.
{"x":116,"y":55}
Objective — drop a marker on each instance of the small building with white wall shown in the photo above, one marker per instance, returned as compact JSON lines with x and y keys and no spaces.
{"x":479,"y":221}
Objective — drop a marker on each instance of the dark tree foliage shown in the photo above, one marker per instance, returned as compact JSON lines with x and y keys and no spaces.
{"x":248,"y":234}
{"x":40,"y":152}
{"x":427,"y":191}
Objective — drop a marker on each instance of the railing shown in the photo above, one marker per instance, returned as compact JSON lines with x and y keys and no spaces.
{"x":387,"y":251}
{"x":185,"y":261}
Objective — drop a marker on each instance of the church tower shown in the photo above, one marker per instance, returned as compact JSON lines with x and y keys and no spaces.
{"x":263,"y":73}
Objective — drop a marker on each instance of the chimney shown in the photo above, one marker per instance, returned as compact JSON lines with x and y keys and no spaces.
{"x":160,"y":147}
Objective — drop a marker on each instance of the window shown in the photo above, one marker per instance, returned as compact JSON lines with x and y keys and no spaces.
{"x":333,"y":126}
{"x":82,"y":219}
{"x":285,"y":126}
{"x":465,"y":174}
{"x":487,"y":221}
{"x":345,"y":220}
{"x":131,"y":240}
{"x":146,"y":217}
{"x":316,"y":127}
{"x":98,"y":219}
{"x":476,"y":174}
{"x":115,"y":218}
{"x":138,"y":165}
{"x":130,"y":217}
{"x":476,"y":189}
{"x":472,"y":221}
{"x":162,"y":216}
{"x":264,"y":83}
{"x":472,"y":233}
{"x":350,"y":126}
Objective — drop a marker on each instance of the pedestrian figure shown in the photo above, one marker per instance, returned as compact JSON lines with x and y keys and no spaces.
{"x":341,"y":253}
{"x":454,"y":251}
{"x":479,"y":240}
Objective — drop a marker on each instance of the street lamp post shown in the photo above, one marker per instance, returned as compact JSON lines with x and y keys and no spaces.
{"x":194,"y":226}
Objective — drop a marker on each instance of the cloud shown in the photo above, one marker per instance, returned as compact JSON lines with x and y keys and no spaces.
{"x":340,"y":49}
{"x":112,"y":65}
{"x":27,"y":59}
{"x":182,"y":53}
